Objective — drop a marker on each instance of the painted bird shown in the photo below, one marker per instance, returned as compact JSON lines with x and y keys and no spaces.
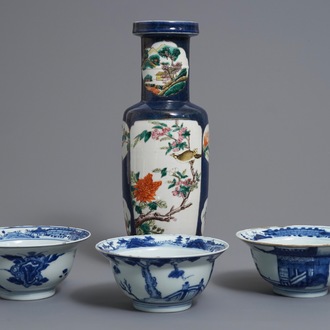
{"x":187,"y":155}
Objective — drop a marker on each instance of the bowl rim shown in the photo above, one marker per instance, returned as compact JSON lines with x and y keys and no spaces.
{"x":162,"y":237}
{"x":285,"y":243}
{"x":56,"y":241}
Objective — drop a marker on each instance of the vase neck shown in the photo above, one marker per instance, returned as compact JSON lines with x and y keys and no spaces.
{"x":165,"y":67}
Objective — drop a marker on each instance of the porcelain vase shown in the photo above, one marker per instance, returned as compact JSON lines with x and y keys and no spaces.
{"x":165,"y":142}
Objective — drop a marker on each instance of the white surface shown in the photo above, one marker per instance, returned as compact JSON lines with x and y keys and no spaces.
{"x":296,"y":241}
{"x":31,"y":242}
{"x":165,"y":252}
{"x":69,"y":69}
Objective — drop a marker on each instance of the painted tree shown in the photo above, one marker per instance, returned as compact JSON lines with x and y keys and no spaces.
{"x":171,"y":53}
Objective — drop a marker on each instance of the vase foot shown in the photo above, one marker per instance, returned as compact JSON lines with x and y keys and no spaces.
{"x":166,"y":308}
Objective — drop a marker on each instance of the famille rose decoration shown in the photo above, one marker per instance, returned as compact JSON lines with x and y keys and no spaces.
{"x":165,"y":143}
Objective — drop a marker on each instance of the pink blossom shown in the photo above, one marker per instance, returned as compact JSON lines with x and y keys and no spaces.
{"x":155,"y":134}
{"x":177,"y":192}
{"x":174,"y":146}
{"x":165,"y":130}
{"x":187,"y":182}
{"x":182,"y":130}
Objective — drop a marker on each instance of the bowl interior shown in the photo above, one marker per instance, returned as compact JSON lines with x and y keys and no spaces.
{"x":287,"y":236}
{"x":161,"y":246}
{"x":31,"y":236}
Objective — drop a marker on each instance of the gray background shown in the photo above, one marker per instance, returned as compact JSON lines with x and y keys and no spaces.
{"x":69,"y":69}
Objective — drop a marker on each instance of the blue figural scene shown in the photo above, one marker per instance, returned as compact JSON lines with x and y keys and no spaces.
{"x":301,"y":257}
{"x":151,"y":283}
{"x":154,"y":269}
{"x":300,"y":268}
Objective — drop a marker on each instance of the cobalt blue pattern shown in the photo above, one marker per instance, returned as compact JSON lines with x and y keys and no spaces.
{"x":149,"y":241}
{"x":174,"y":268}
{"x":35,"y":259}
{"x":187,"y":290}
{"x":26,"y":270}
{"x":259,"y":234}
{"x":293,"y":267}
{"x":300,"y":268}
{"x":43,"y":232}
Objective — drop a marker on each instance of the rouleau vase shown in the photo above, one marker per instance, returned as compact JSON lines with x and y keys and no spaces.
{"x":165,"y":141}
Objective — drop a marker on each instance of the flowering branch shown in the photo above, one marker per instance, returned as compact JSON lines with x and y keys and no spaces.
{"x":167,"y":217}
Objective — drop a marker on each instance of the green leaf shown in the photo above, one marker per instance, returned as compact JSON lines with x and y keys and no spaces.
{"x":134,"y":177}
{"x":141,"y":135}
{"x":181,"y":175}
{"x":182,"y":145}
{"x":138,"y":209}
{"x":162,"y":204}
{"x":165,"y":138}
{"x":185,"y":190}
{"x":182,"y":73}
{"x":164,"y":172}
{"x":147,"y":136}
{"x":153,"y":206}
{"x":145,"y":228}
{"x":173,"y":183}
{"x":175,"y":88}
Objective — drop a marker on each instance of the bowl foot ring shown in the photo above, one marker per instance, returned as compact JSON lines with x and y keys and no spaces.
{"x":36,"y":295}
{"x":158,"y":308}
{"x":300,"y":293}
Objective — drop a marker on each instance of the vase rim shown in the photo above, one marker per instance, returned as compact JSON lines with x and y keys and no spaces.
{"x":189,"y":28}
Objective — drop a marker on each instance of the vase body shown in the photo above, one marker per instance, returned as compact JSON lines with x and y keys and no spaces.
{"x":165,"y":143}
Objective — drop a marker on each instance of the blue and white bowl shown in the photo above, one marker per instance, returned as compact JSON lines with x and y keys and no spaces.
{"x":294,"y":259}
{"x":162,"y":273}
{"x":35,"y":259}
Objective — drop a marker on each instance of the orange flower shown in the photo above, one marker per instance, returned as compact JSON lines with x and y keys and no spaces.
{"x":206,"y":139}
{"x":145,"y":189}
